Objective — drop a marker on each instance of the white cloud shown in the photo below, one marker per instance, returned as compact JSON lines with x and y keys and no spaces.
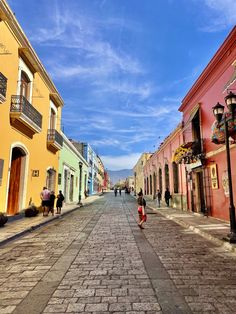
{"x":120,"y":162}
{"x":222,"y":15}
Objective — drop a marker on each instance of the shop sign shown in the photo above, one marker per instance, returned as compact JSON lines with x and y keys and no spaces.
{"x":214,"y":177}
{"x":225,"y":183}
{"x":194,"y":165}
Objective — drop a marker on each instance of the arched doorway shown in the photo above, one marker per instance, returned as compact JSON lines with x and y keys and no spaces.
{"x":150,"y":184}
{"x":16,"y":181}
{"x":167,"y":177}
{"x":154,"y":184}
{"x":51,"y":179}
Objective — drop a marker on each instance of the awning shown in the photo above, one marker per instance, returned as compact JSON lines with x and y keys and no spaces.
{"x":192,"y":115}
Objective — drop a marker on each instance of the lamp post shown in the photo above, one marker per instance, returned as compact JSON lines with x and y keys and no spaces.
{"x":218,"y":111}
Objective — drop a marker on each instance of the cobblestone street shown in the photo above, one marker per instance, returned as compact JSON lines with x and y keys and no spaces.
{"x":97,"y":260}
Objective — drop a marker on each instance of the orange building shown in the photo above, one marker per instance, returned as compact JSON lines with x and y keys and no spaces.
{"x":30,"y":119}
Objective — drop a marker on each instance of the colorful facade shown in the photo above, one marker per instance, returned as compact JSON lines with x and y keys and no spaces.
{"x":161,"y":171}
{"x":30,"y":119}
{"x":72,"y":173}
{"x":207,"y":182}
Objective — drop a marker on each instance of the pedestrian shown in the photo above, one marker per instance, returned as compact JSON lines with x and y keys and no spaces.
{"x":141,"y":210}
{"x":140,"y":192}
{"x":60,"y":199}
{"x":167,"y":197}
{"x":115,"y":191}
{"x":158,"y":198}
{"x":120,"y":191}
{"x":45,"y":197}
{"x":52,"y":201}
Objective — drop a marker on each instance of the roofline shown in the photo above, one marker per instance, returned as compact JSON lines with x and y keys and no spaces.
{"x":7,"y":16}
{"x":217,"y":58}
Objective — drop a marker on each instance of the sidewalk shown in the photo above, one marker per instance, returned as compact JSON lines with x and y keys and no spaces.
{"x":19,"y":225}
{"x":210,"y":228}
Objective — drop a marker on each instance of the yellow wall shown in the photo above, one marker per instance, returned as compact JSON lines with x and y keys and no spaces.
{"x":39,"y":156}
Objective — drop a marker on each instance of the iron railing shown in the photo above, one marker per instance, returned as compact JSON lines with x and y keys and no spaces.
{"x":20,"y":104}
{"x":54,"y":136}
{"x":3,"y":85}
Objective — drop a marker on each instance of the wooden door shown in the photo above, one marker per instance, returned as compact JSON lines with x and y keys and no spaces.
{"x":14,"y":184}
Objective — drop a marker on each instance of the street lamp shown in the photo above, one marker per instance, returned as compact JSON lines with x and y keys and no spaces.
{"x":222,"y":118}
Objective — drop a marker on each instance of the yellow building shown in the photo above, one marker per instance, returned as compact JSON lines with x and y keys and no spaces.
{"x":30,"y":118}
{"x":138,"y":172}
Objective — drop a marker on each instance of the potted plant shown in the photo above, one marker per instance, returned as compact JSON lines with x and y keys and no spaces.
{"x":3,"y":219}
{"x":31,"y":211}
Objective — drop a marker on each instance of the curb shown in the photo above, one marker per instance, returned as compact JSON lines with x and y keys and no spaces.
{"x":37,"y":226}
{"x":221,"y":243}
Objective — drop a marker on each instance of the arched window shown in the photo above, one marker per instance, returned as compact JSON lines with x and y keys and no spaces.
{"x":175,"y":177}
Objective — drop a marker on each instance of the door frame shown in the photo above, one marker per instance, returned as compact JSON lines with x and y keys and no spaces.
{"x":24,"y":173}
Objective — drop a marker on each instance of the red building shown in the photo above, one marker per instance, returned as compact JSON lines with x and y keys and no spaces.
{"x":207,"y":177}
{"x":201,"y":164}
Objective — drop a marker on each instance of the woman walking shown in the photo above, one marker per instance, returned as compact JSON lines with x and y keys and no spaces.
{"x":60,"y":199}
{"x":141,"y":210}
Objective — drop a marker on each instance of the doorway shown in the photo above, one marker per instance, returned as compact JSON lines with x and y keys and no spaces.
{"x":16,"y":182}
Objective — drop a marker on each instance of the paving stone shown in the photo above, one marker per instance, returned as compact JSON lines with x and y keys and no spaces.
{"x":96,"y":307}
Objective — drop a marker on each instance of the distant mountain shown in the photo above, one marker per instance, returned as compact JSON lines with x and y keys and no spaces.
{"x":116,"y":175}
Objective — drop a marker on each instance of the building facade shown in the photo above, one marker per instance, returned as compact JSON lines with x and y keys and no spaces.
{"x":161,"y":171}
{"x":206,"y":167}
{"x":73,"y":173}
{"x":30,"y":119}
{"x":138,"y":172}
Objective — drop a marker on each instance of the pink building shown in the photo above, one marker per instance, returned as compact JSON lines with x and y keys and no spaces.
{"x":161,"y":171}
{"x":188,"y":162}
{"x":207,"y":178}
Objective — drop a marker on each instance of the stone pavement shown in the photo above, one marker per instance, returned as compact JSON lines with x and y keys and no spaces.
{"x":19,"y":225}
{"x":210,"y":228}
{"x":96,"y":260}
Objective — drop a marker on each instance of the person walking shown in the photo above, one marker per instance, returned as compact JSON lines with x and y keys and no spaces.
{"x":167,"y":197}
{"x":115,"y":191}
{"x":141,"y":210}
{"x":159,"y":198}
{"x":45,"y":197}
{"x":120,"y":191}
{"x":52,"y":201}
{"x":60,"y":199}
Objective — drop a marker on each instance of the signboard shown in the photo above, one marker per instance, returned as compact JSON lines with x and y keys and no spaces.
{"x":35,"y":173}
{"x":214,"y":177}
{"x":225,"y":183}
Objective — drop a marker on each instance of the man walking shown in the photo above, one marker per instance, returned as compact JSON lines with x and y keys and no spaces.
{"x":167,"y":197}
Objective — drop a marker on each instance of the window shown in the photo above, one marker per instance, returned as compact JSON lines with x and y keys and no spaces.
{"x":25,"y":85}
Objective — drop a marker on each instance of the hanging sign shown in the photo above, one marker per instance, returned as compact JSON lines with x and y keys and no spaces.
{"x":225,"y":183}
{"x":214,"y":177}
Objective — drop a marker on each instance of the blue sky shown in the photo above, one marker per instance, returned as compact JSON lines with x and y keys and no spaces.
{"x":123,"y":66}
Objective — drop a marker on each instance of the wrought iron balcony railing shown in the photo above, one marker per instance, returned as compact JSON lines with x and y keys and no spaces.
{"x":3,"y":86}
{"x":54,"y":138}
{"x":19,"y":104}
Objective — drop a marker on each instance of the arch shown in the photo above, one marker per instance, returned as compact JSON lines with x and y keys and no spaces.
{"x":147,"y":181}
{"x":167,"y":176}
{"x":17,"y":185}
{"x":150,"y":184}
{"x":175,"y":177}
{"x":154,"y":184}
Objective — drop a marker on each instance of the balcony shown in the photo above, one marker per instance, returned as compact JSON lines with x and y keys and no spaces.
{"x":3,"y":88}
{"x":54,"y":140}
{"x":24,"y":116}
